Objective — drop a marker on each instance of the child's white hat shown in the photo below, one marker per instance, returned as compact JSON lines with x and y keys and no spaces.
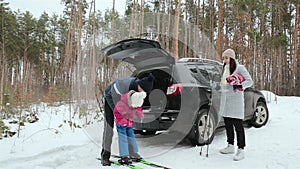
{"x":137,"y":99}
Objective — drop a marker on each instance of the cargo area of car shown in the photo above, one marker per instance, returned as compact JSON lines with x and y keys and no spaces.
{"x":157,"y":97}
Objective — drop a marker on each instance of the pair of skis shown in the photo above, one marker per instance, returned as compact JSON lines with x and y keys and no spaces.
{"x":116,"y":162}
{"x":132,"y":166}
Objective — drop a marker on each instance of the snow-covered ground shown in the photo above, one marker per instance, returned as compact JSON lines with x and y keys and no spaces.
{"x":47,"y":144}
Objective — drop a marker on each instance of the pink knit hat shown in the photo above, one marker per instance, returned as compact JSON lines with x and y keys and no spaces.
{"x":229,"y":52}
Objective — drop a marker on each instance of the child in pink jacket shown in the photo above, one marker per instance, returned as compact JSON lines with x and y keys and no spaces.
{"x":124,"y":112}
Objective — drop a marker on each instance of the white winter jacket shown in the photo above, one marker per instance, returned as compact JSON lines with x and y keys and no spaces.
{"x":232,"y":103}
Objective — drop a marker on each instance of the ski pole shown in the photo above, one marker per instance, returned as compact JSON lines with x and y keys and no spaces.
{"x":206,"y":131}
{"x":201,"y":150}
{"x":207,"y":121}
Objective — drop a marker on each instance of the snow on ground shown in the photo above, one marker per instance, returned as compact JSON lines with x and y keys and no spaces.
{"x":45,"y":145}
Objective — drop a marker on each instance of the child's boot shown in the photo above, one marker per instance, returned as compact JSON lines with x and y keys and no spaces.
{"x":125,"y":160}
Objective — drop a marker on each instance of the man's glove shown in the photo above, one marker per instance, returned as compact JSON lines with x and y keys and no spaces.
{"x":238,"y":88}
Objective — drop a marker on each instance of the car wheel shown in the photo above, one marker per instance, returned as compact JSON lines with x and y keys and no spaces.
{"x":204,"y":128}
{"x":260,"y":116}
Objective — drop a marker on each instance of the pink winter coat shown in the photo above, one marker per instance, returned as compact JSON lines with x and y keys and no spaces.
{"x":124,"y":114}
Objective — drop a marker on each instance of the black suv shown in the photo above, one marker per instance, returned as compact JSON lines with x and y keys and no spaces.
{"x":186,"y":95}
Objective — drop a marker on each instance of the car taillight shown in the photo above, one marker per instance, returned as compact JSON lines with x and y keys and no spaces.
{"x":174,"y":89}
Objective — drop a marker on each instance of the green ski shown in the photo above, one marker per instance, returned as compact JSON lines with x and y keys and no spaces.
{"x":145,"y":162}
{"x":115,"y":162}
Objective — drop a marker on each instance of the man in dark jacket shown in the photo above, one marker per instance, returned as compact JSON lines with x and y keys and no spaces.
{"x":112,"y":95}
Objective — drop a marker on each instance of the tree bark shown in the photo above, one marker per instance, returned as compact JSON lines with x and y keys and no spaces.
{"x":113,"y":22}
{"x":212,"y":21}
{"x":176,"y":28}
{"x":170,"y":8}
{"x":220,"y":29}
{"x":296,"y":59}
{"x":142,"y":19}
{"x":2,"y":72}
{"x":280,"y":51}
{"x":297,"y":47}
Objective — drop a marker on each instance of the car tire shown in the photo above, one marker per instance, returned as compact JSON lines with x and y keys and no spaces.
{"x":260,"y":116}
{"x":203,"y":131}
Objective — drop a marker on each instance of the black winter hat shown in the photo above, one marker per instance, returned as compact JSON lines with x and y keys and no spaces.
{"x":146,"y":83}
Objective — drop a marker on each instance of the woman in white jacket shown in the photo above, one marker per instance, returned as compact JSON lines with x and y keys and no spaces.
{"x":232,"y":103}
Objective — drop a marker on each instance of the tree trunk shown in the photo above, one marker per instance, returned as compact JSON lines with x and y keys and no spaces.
{"x":69,"y":47}
{"x":142,"y":19}
{"x":176,"y":28}
{"x":113,"y":23}
{"x":263,"y":76}
{"x":297,"y":50}
{"x":133,"y":21}
{"x":3,"y":57}
{"x":2,"y":72}
{"x":280,"y":51}
{"x":186,"y":34}
{"x":168,"y":26}
{"x":212,"y":21}
{"x":163,"y":28}
{"x":296,"y":69}
{"x":76,"y":83}
{"x":203,"y":17}
{"x":220,"y":28}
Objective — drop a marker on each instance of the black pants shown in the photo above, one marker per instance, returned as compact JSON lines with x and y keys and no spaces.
{"x":240,"y":132}
{"x":107,"y":131}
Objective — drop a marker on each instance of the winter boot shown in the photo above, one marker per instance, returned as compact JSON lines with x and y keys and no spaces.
{"x":228,"y":150}
{"x":105,"y":162}
{"x":125,"y":160}
{"x":239,"y":155}
{"x":136,"y":157}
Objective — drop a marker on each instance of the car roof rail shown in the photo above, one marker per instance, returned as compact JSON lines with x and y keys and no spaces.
{"x":198,"y":60}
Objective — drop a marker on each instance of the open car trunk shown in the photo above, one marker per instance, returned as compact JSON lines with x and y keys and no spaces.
{"x":146,"y":56}
{"x":157,"y":98}
{"x":142,"y":53}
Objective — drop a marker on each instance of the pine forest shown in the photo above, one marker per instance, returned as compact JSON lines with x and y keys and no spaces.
{"x":41,"y":59}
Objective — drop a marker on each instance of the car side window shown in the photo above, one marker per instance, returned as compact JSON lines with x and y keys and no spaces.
{"x":200,"y":75}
